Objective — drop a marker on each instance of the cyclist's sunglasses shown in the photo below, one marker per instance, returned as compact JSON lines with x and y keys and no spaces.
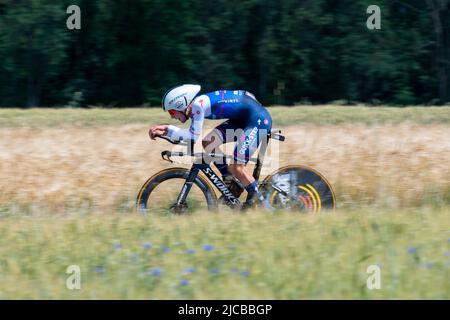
{"x":172,"y":112}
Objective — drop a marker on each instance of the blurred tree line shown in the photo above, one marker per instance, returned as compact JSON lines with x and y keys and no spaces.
{"x":128,"y":52}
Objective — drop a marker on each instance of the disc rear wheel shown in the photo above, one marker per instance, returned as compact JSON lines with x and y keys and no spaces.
{"x":298,"y":188}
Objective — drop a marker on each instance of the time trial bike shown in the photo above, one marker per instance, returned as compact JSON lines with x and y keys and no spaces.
{"x":179,"y":190}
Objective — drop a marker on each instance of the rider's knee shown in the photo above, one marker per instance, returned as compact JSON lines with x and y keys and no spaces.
{"x":208,"y":141}
{"x":205,"y":143}
{"x":236,"y":167}
{"x":213,"y":139}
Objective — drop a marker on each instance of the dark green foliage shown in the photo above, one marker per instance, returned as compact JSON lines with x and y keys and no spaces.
{"x":129,"y":52}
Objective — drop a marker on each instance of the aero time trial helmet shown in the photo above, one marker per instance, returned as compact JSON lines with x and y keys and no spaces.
{"x":179,"y":98}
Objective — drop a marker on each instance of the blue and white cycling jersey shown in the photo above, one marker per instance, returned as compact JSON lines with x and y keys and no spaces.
{"x":237,"y":105}
{"x":247,"y":120}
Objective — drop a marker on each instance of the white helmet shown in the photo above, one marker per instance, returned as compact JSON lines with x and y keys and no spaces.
{"x":179,"y":98}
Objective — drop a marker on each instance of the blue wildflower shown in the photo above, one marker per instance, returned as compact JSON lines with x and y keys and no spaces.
{"x":156,"y":272}
{"x":447,"y":254}
{"x":117,"y":246}
{"x":100,"y":269}
{"x":190,"y":251}
{"x":214,"y":270}
{"x":208,"y":247}
{"x":234,"y":270}
{"x":166,"y":249}
{"x":184,"y":282}
{"x":147,"y":246}
{"x":412,"y":250}
{"x":448,"y":240}
{"x":245,"y":273}
{"x":190,"y":270}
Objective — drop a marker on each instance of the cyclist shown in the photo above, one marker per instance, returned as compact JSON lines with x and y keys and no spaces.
{"x":247,"y":123}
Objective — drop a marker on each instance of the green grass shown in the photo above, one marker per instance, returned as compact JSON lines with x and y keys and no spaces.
{"x":314,"y":115}
{"x":286,"y":256}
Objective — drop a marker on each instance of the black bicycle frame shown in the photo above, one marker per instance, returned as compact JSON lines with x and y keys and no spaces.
{"x":230,"y":199}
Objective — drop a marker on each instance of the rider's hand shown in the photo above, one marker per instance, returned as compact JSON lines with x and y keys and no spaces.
{"x":150,"y":134}
{"x":154,"y":132}
{"x":157,"y":131}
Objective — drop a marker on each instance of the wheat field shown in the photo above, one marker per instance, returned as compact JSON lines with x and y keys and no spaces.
{"x":103,"y":167}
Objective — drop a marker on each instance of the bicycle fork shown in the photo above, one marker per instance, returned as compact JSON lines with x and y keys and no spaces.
{"x":181,"y":200}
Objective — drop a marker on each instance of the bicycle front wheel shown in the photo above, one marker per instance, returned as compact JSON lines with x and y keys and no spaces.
{"x":159,"y":194}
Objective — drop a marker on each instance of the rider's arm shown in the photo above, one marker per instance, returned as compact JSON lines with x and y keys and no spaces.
{"x":194,"y":132}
